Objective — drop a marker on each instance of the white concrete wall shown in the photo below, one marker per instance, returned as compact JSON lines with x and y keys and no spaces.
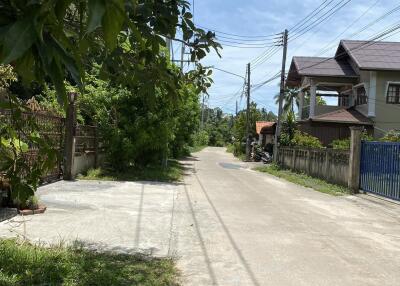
{"x":85,"y":162}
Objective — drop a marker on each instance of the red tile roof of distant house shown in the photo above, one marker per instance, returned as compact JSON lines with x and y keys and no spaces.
{"x":260,"y":125}
{"x":349,"y":115}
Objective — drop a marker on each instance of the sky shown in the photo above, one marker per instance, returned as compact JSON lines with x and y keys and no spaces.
{"x":256,"y":19}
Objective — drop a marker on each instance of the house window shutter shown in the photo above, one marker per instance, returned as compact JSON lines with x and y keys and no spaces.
{"x":393,"y":94}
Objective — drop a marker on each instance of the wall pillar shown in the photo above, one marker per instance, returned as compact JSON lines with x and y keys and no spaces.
{"x":70,"y":130}
{"x":371,"y":92}
{"x":301,"y":104}
{"x":313,"y":98}
{"x":355,"y":159}
{"x":294,"y":155}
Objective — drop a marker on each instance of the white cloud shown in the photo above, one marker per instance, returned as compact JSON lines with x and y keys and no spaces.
{"x":259,"y":17}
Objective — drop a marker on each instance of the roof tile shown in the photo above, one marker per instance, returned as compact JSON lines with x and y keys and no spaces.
{"x":349,"y":115}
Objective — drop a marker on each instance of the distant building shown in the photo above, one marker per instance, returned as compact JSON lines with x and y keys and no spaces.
{"x":266,"y":132}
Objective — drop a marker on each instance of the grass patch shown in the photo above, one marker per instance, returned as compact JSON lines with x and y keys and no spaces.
{"x":194,"y":149}
{"x":230,"y":148}
{"x":304,"y":180}
{"x":27,"y":264}
{"x":172,"y":173}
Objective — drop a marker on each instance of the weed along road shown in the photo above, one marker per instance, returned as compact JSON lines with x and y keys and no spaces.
{"x":228,"y":225}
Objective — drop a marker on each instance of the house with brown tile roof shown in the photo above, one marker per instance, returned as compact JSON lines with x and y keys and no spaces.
{"x":364,"y":76}
{"x":266,"y":132}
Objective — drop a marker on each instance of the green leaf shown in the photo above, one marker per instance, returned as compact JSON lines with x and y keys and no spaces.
{"x":24,"y":67}
{"x":68,"y":61}
{"x":96,"y":8}
{"x":112,"y":22}
{"x":61,"y":8}
{"x":19,"y":38}
{"x":57,"y":77}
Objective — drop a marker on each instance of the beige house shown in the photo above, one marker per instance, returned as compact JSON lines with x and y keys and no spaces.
{"x":363,"y":76}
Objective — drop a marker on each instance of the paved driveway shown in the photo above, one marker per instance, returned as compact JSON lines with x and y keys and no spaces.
{"x":228,"y":225}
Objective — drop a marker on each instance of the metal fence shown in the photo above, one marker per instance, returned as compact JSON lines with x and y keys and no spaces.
{"x":50,"y":127}
{"x":380,"y":169}
{"x":86,"y":139}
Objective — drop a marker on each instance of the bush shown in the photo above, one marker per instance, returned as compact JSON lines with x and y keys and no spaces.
{"x":239,"y":149}
{"x":288,"y":130}
{"x":343,"y":144}
{"x":200,"y":138}
{"x":392,"y":136}
{"x":304,"y":140}
{"x":32,"y":203}
{"x":230,"y":148}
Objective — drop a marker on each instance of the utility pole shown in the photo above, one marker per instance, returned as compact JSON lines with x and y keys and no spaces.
{"x":202,"y":114}
{"x":236,"y":111}
{"x":182,"y":55}
{"x":248,"y":147}
{"x":281,"y":95}
{"x":168,"y":42}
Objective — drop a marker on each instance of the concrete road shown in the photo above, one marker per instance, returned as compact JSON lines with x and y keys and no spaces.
{"x":228,"y":225}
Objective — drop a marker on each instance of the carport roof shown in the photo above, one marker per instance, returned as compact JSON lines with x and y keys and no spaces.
{"x":349,"y":116}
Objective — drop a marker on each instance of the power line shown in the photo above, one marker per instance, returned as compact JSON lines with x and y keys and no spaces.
{"x":247,"y":40}
{"x":238,"y":36}
{"x":259,"y":85}
{"x":309,"y":16}
{"x":373,"y":40}
{"x":267,"y":54}
{"x":228,"y":72}
{"x":266,"y":57}
{"x":252,"y":45}
{"x":321,"y":19}
{"x":388,"y":13}
{"x":327,"y":46}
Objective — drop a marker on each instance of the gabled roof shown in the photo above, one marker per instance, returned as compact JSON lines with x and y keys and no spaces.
{"x":369,"y":55}
{"x":318,"y":66}
{"x":265,"y":127}
{"x":349,"y":116}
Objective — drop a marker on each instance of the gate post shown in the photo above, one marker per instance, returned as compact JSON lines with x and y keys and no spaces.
{"x":355,"y":159}
{"x":70,"y":129}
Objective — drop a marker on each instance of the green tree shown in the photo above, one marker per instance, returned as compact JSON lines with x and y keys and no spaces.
{"x":239,"y":129}
{"x":57,"y":39}
{"x":136,"y":95}
{"x":290,"y":98}
{"x":218,"y":126}
{"x":288,"y":130}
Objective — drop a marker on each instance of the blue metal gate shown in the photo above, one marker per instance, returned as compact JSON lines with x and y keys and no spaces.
{"x":380,"y":169}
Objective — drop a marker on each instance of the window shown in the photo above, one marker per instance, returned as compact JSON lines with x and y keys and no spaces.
{"x":361,"y":96}
{"x":393,"y":93}
{"x":343,"y":100}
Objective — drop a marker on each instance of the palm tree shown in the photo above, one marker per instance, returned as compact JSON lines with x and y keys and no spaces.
{"x":289,"y":100}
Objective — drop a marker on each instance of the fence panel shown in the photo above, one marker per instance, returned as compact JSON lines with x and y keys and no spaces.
{"x":327,"y":164}
{"x":48,"y":126}
{"x":86,"y":139}
{"x":380,"y":169}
